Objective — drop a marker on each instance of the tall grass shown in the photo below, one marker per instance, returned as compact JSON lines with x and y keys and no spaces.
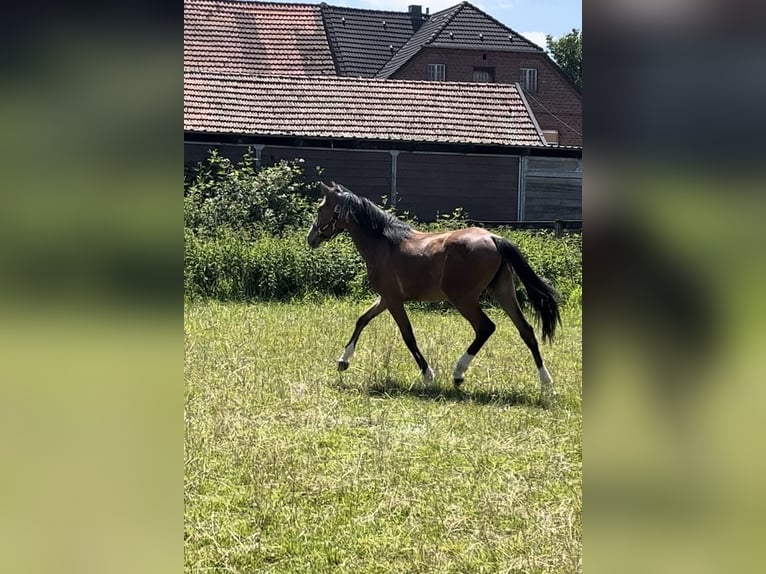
{"x":232,"y":267}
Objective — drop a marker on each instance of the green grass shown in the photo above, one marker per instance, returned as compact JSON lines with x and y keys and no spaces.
{"x":291,"y":466}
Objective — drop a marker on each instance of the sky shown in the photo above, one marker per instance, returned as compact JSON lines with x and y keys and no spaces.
{"x":533,"y":19}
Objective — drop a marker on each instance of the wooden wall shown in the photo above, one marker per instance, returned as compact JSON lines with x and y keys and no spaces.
{"x":486,"y":187}
{"x":552,"y":188}
{"x":366,"y":173}
{"x":195,"y":152}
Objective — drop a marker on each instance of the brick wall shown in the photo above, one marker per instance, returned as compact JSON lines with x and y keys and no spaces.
{"x":554,"y":93}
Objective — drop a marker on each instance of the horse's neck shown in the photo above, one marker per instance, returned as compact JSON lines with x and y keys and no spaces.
{"x":368,"y":247}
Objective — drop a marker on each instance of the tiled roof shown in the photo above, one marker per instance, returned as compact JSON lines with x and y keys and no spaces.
{"x":429,"y":30}
{"x":255,"y":38}
{"x":362,"y":41}
{"x":356,"y":108}
{"x":244,"y":37}
{"x":461,"y":26}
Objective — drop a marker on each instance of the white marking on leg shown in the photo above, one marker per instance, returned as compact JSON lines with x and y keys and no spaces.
{"x":546,"y":382}
{"x":462,"y":366}
{"x":428,"y":375}
{"x":348,"y":352}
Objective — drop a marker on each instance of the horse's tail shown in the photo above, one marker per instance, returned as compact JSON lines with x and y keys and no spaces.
{"x":544,"y":298}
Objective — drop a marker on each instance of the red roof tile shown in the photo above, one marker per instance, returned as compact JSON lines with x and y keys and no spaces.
{"x":255,"y":38}
{"x":358,"y":108}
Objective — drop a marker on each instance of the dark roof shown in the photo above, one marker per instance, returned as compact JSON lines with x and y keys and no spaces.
{"x":255,"y":38}
{"x":362,"y":41}
{"x":461,"y":26}
{"x":429,"y":29}
{"x":359,"y":108}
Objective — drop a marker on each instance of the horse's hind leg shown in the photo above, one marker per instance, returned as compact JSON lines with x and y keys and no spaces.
{"x":375,"y":309}
{"x":504,"y":292}
{"x":483,"y":328}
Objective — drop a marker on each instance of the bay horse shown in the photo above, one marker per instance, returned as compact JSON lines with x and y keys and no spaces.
{"x":404,"y":264}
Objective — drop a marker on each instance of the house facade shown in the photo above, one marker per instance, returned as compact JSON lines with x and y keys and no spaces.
{"x":433,"y":111}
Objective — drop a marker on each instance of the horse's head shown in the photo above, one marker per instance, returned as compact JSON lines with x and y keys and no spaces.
{"x":328,"y":222}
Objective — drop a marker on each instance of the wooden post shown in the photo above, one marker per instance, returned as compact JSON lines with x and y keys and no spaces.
{"x":394,"y":157}
{"x":258,"y":158}
{"x":558,"y":228}
{"x":522,"y":189}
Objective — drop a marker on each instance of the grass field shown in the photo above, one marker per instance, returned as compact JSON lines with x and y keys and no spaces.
{"x":291,"y":466}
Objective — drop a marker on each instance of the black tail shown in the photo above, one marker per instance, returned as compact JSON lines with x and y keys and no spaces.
{"x":544,"y":298}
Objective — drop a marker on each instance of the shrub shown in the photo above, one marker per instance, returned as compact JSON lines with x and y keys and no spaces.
{"x":275,"y":200}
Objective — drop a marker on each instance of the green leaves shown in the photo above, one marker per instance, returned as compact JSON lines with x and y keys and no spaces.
{"x":567,"y":52}
{"x":272,"y":201}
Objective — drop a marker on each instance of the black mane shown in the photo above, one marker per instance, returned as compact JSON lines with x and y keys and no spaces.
{"x":371,"y":219}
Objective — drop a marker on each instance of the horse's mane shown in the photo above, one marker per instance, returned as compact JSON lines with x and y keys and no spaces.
{"x":371,"y":219}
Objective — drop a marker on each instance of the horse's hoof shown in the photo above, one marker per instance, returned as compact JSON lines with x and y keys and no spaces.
{"x":457,"y":382}
{"x":342,"y":365}
{"x":428,"y":375}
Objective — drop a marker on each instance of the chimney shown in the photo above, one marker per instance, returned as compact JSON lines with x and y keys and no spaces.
{"x":416,"y":16}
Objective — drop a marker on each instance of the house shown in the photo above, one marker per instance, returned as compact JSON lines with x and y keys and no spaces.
{"x":458,"y":44}
{"x":433,"y":111}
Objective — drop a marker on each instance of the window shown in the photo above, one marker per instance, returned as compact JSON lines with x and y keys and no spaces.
{"x":437,"y":72}
{"x":529,"y":79}
{"x":484,"y":74}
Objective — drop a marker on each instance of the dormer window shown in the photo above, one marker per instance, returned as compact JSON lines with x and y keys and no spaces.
{"x":436,"y":72}
{"x":529,"y":79}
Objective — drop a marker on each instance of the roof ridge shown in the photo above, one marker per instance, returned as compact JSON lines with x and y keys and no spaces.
{"x":355,"y":9}
{"x":499,"y":23}
{"x":456,"y":10}
{"x":227,"y":76}
{"x":319,"y":5}
{"x":253,"y":2}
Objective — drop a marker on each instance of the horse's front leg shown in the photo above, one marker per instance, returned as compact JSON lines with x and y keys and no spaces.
{"x":376,"y":309}
{"x":405,"y":327}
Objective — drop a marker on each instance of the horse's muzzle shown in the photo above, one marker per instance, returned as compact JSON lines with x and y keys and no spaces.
{"x":314,"y":239}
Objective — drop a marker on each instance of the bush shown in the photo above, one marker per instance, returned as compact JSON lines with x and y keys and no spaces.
{"x":557,"y":259}
{"x":236,"y":197}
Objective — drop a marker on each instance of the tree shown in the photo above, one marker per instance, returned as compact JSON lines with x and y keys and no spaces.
{"x":567,"y":53}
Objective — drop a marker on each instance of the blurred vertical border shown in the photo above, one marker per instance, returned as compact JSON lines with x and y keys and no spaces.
{"x":674,"y":201}
{"x":91,"y":375}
